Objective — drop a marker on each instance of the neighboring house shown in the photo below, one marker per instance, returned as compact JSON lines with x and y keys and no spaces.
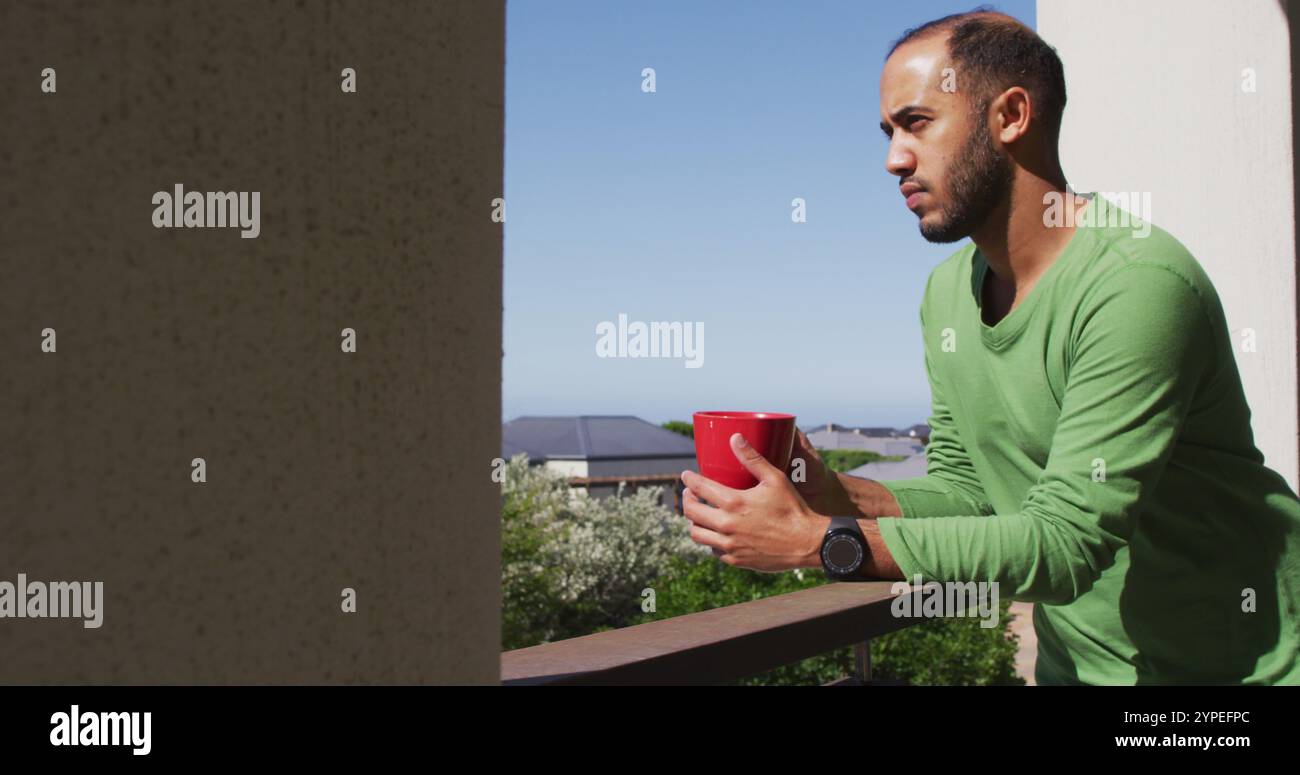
{"x":920,"y":431}
{"x":885,"y":441}
{"x":597,"y":452}
{"x":903,"y":469}
{"x":831,"y":427}
{"x":839,"y":437}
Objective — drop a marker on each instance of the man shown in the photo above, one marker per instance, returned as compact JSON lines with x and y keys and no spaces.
{"x":1090,"y":445}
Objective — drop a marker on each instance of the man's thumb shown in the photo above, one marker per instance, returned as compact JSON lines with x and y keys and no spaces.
{"x":751,"y":458}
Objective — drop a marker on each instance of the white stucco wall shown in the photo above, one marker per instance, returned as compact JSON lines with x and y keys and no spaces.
{"x":1156,"y":104}
{"x":568,"y":467}
{"x":642,"y":466}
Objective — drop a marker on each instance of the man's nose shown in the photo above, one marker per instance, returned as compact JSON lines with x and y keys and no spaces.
{"x":900,"y":161}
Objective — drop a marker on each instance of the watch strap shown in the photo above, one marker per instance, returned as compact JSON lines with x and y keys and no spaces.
{"x":842,"y":522}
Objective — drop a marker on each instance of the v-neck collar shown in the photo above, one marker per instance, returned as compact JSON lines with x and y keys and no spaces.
{"x":1001,"y":334}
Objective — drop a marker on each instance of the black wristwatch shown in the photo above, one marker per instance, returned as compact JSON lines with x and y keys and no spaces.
{"x":844,"y":550}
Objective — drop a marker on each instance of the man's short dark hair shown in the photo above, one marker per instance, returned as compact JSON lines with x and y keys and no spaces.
{"x":993,"y":52}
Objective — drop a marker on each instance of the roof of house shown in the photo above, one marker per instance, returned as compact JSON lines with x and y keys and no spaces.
{"x":902,"y":469}
{"x":834,"y":427}
{"x":877,"y":431}
{"x":825,"y":426}
{"x":870,"y":431}
{"x":591,"y":437}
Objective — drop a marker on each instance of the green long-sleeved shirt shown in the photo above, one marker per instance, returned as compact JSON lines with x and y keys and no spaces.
{"x":1092,"y":453}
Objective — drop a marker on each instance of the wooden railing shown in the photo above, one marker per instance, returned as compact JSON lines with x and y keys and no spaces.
{"x":722,"y":644}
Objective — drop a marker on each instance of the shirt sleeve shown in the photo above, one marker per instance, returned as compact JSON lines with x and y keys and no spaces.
{"x":950,"y":485}
{"x":1140,"y":346}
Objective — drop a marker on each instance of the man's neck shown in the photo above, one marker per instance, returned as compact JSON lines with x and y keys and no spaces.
{"x":1016,"y":243}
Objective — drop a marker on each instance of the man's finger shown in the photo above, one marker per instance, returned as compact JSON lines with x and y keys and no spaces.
{"x":701,"y":514}
{"x":727,"y":559}
{"x":714,"y":540}
{"x":752,"y":459}
{"x":709,"y":490}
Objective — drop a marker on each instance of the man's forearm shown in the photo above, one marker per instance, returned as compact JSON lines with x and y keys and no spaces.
{"x":881,"y":563}
{"x":866,"y":497}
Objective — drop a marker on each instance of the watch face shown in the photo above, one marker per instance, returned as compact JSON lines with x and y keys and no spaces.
{"x":842,"y":553}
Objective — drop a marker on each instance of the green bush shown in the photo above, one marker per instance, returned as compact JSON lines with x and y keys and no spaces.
{"x":531,"y":518}
{"x":677,"y":426}
{"x":845,"y":460}
{"x":948,"y":652}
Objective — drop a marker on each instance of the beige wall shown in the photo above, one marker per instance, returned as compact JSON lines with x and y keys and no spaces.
{"x":325,"y":470}
{"x":1155,"y":104}
{"x":568,"y":467}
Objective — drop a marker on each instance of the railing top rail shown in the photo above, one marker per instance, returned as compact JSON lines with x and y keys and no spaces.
{"x":722,"y":644}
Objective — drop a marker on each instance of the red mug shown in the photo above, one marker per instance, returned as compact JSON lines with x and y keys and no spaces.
{"x":771,"y":433}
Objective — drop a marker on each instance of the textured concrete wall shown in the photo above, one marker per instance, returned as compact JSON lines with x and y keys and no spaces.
{"x":325,"y":469}
{"x":642,"y":466}
{"x":1156,"y":104}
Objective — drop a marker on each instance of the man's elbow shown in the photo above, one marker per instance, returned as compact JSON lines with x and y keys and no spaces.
{"x":1067,"y":566}
{"x":1074,"y":564}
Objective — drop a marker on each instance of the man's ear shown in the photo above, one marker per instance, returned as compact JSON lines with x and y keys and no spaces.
{"x":1013,"y":110}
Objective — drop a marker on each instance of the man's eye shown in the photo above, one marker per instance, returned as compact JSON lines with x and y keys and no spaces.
{"x":917,"y":123}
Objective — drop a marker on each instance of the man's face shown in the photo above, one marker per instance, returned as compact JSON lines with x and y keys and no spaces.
{"x":939,"y":147}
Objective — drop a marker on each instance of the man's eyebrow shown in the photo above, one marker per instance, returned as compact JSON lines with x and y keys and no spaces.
{"x":901,"y":114}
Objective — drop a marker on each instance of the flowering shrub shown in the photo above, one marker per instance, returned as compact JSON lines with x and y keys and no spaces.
{"x":572,"y":564}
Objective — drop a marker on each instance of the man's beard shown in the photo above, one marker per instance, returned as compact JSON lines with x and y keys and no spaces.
{"x":979,"y":182}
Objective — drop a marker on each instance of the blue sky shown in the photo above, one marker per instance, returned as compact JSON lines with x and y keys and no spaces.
{"x":675,"y":206}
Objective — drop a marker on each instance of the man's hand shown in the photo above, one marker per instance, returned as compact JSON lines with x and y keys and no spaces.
{"x":768,"y":527}
{"x":827,"y":492}
{"x":820,"y":488}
